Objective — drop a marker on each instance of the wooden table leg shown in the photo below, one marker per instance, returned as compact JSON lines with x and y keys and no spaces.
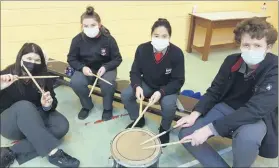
{"x":191,"y":34}
{"x":207,"y":42}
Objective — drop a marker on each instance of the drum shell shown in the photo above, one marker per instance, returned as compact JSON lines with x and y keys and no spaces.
{"x":115,"y":165}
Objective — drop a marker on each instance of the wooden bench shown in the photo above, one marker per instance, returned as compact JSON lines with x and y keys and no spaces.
{"x":185,"y":104}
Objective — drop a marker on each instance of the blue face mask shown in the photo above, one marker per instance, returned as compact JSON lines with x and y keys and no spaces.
{"x":253,"y":57}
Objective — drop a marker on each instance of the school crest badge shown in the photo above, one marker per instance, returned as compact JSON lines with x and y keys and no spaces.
{"x":103,"y":51}
{"x":168,"y":71}
{"x":269,"y":87}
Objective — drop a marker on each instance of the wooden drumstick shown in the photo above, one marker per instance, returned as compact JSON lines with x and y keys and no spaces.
{"x":167,"y":144}
{"x":141,"y":114}
{"x":35,"y":82}
{"x":140,"y":109}
{"x":93,"y":87}
{"x":101,"y":79}
{"x":37,"y":77}
{"x":157,"y":136}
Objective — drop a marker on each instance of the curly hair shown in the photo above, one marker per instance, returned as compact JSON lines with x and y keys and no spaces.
{"x":257,"y":28}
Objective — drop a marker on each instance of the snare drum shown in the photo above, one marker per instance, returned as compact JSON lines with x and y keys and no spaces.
{"x":127,"y":151}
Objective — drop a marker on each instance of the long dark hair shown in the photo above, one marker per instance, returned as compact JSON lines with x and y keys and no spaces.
{"x":16,"y":68}
{"x":90,"y":13}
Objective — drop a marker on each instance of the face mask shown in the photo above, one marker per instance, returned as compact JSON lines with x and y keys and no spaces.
{"x":32,"y":67}
{"x":91,"y":32}
{"x":253,"y":57}
{"x":160,"y":44}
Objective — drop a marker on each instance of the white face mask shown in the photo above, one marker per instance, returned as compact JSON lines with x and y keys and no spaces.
{"x":253,"y":57}
{"x":160,"y":44}
{"x":91,"y":32}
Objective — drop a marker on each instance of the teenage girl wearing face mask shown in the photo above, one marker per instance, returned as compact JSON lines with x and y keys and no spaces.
{"x":30,"y":116}
{"x":94,"y":50}
{"x":157,"y":73}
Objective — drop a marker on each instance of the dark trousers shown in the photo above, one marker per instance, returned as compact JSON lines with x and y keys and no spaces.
{"x":38,"y":131}
{"x":168,"y":104}
{"x":246,"y":140}
{"x":79,"y":83}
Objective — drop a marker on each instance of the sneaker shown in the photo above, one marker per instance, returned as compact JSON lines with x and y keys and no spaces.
{"x":62,"y":159}
{"x":164,"y":138}
{"x":107,"y":115}
{"x":83,"y":114}
{"x":7,"y":157}
{"x":140,"y":124}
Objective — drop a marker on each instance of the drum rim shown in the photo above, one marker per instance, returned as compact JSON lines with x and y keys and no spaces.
{"x":156,"y":159}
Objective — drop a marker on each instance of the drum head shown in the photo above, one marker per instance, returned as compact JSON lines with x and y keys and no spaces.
{"x":127,"y":151}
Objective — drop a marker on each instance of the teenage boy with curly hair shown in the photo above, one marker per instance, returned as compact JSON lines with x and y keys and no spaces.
{"x":241,"y":103}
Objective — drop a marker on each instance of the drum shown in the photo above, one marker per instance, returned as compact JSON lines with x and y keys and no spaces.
{"x":127,"y":152}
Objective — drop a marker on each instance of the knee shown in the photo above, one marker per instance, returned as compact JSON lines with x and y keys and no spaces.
{"x":247,"y":137}
{"x":78,"y":80}
{"x":107,"y":88}
{"x":62,"y":127}
{"x":168,"y":103}
{"x":25,"y":106}
{"x":127,"y":94}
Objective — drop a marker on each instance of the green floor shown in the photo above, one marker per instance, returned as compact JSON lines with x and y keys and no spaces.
{"x":91,"y":143}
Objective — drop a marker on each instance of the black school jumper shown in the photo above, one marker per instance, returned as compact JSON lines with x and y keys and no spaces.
{"x":165,"y":76}
{"x":23,"y":119}
{"x":94,"y":53}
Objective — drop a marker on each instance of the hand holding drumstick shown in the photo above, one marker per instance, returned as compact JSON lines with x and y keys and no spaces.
{"x":185,"y":121}
{"x":7,"y":80}
{"x":141,"y":114}
{"x":46,"y":99}
{"x":154,"y":98}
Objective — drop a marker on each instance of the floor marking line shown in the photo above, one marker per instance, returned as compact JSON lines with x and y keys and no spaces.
{"x":195,"y":162}
{"x":101,"y":121}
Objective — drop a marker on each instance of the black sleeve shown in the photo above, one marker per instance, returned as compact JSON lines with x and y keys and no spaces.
{"x":213,"y":93}
{"x":177,"y":77}
{"x":264,"y":101}
{"x":135,"y":73}
{"x":73,"y":56}
{"x":115,"y":56}
{"x":6,"y":71}
{"x":49,"y":87}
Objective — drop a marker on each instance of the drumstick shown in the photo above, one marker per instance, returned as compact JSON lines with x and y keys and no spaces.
{"x":101,"y":79}
{"x":35,"y":82}
{"x":93,"y":87}
{"x":141,"y":114}
{"x":157,"y":136}
{"x":140,"y":109}
{"x":37,"y":77}
{"x":167,"y":144}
